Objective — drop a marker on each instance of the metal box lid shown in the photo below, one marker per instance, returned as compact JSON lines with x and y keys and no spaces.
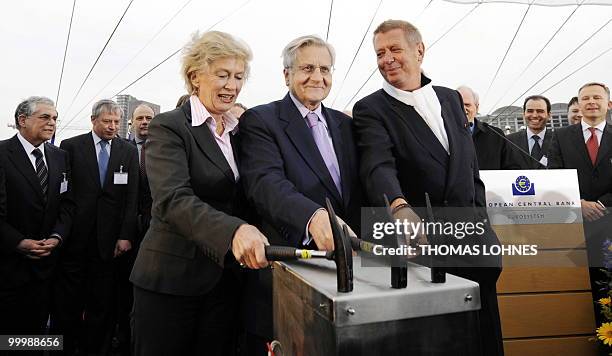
{"x":373,"y":299}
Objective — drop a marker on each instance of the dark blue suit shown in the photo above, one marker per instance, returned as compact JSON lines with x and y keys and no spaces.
{"x":284,"y":174}
{"x":401,"y":157}
{"x":287,"y":180}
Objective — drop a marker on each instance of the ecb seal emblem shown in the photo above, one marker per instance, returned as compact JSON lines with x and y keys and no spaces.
{"x":523,"y":186}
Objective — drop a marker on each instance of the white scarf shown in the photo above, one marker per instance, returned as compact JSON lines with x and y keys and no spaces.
{"x":425,"y":102}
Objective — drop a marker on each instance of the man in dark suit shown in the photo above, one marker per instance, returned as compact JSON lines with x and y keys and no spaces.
{"x":532,"y":145}
{"x":105,"y":193}
{"x":574,"y":115}
{"x":33,"y":181}
{"x":141,"y":117}
{"x":492,"y":149}
{"x":587,"y":147}
{"x":294,"y":153}
{"x":413,"y":140}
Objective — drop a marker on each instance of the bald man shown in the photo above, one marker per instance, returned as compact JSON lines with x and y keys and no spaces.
{"x":492,"y":148}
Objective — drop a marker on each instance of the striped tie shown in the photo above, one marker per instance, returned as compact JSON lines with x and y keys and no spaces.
{"x":41,"y":171}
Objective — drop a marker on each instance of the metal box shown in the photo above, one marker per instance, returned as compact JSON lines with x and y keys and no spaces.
{"x":312,"y":318}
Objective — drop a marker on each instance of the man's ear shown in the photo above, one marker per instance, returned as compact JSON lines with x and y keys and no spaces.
{"x":286,"y":74}
{"x":21,"y":120}
{"x":420,"y":51}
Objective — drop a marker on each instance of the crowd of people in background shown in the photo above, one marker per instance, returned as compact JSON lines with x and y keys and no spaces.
{"x":154,"y":245}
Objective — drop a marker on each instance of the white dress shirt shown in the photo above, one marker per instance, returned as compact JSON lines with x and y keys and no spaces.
{"x":531,"y":141}
{"x":28,"y":147}
{"x":97,"y":140}
{"x":598,"y":131}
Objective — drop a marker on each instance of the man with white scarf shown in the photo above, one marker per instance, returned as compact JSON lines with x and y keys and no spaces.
{"x":413,"y":139}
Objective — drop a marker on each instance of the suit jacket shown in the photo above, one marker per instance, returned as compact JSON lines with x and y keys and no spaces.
{"x":196,"y":207}
{"x":284,"y":174}
{"x":522,"y":157}
{"x":144,"y":202}
{"x":401,"y":157}
{"x":106,"y":213}
{"x":568,"y":150}
{"x":492,"y":148}
{"x":24,"y":212}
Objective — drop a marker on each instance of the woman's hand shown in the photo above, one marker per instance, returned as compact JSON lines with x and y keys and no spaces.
{"x":248,"y":247}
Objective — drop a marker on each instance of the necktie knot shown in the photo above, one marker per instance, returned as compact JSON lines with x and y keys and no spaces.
{"x":536,"y":138}
{"x":103,"y":143}
{"x":312,"y":119}
{"x":41,"y":171}
{"x":592,"y":145}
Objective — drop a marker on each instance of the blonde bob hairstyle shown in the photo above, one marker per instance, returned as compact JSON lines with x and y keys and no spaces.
{"x":204,"y":49}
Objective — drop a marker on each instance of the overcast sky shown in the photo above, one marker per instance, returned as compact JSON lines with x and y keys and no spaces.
{"x":33,"y":38}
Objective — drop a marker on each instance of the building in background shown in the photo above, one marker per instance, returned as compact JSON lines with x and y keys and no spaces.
{"x":510,"y":118}
{"x":128,"y":103}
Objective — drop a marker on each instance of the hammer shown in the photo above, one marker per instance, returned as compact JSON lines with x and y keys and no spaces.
{"x":342,"y":254}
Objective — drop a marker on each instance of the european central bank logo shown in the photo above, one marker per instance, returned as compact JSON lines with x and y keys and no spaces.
{"x":522,"y":186}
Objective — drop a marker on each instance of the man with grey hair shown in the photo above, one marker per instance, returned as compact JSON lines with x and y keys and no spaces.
{"x":587,"y":148}
{"x":105,"y":193}
{"x":294,"y":153}
{"x":33,"y":221}
{"x":413,"y":141}
{"x":492,"y":148}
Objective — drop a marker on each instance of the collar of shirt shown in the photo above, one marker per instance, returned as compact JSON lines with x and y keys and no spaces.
{"x":97,"y":140}
{"x":139,"y":141}
{"x":200,"y":115}
{"x":541,"y":134}
{"x":304,"y":110}
{"x":426,"y":103}
{"x":28,"y":147}
{"x":585,"y":127}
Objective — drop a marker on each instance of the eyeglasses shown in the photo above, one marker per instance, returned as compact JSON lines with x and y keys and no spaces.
{"x":309,"y":69}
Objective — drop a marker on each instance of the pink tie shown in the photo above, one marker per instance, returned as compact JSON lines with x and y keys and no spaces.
{"x":320,"y":135}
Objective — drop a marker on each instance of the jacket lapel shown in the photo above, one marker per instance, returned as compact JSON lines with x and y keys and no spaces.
{"x":334,"y":128}
{"x":419,"y":128}
{"x":20,"y":159}
{"x":54,"y":172}
{"x":114,"y":160}
{"x":298,"y":132}
{"x":205,"y":140}
{"x":605,"y":145}
{"x":455,"y":149}
{"x":89,"y":150}
{"x":577,"y":140}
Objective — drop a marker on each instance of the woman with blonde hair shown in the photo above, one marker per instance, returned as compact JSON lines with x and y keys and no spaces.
{"x":187,"y":277}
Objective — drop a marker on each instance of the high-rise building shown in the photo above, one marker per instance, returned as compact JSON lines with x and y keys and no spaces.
{"x":128,"y":103}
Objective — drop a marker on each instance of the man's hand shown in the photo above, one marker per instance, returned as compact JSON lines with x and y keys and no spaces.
{"x":52,"y":242}
{"x":248,"y":247}
{"x":121,"y":247}
{"x":405,"y":214}
{"x":34,"y":249}
{"x":592,"y":210}
{"x":321,"y":231}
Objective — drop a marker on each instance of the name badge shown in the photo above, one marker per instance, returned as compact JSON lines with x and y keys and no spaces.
{"x":120,"y":178}
{"x":64,"y":184}
{"x":544,"y":161}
